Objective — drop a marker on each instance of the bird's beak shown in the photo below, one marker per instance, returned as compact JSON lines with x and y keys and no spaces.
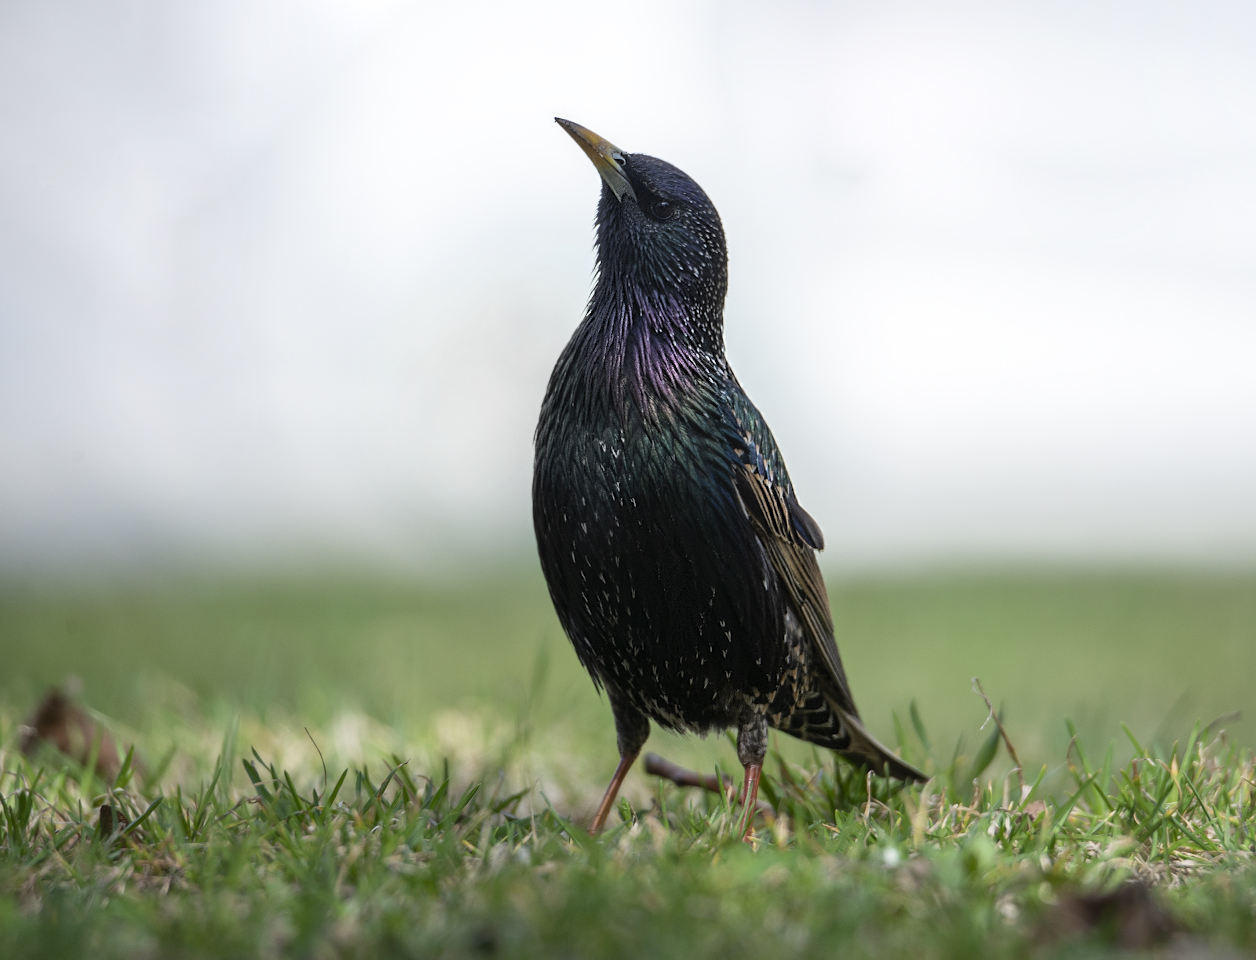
{"x":605,"y":156}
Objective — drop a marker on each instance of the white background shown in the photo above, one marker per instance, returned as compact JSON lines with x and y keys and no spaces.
{"x":282,"y":280}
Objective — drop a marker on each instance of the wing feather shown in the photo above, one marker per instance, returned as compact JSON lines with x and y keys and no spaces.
{"x":773,"y":513}
{"x":790,"y":536}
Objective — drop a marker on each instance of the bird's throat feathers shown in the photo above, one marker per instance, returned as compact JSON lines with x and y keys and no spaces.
{"x":649,"y":349}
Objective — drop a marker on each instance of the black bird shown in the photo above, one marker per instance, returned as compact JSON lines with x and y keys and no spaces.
{"x":680,"y":563}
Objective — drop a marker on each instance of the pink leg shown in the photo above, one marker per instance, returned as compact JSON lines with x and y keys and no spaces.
{"x":750,"y":791}
{"x":608,"y":799}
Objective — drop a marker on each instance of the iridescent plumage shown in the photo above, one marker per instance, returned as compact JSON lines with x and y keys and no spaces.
{"x":679,"y":561}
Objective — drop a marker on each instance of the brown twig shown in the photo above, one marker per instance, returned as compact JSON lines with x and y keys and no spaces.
{"x":1007,"y":741}
{"x":657,"y":766}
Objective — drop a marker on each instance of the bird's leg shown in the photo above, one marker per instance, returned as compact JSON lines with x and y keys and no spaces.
{"x":750,"y":790}
{"x":752,"y":747}
{"x":612,"y":791}
{"x":631,"y":731}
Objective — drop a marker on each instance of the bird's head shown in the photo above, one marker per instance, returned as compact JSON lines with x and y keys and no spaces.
{"x":657,"y":231}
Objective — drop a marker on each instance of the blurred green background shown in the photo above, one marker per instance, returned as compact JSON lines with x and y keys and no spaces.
{"x":1156,"y":650}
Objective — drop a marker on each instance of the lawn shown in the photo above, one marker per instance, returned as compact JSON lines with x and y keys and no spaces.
{"x":472,"y":748}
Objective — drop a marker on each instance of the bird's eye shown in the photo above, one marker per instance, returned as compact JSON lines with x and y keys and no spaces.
{"x":663,"y":210}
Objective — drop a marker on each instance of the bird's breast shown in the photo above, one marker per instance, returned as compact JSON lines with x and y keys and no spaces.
{"x":656,"y":575}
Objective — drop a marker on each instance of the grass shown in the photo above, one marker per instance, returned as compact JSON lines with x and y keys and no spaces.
{"x":461,"y":855}
{"x":432,"y":808}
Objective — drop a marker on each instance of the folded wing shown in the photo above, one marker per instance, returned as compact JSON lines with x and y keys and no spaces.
{"x":791,"y":536}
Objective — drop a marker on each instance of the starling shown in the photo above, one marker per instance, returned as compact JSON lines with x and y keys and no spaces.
{"x":681,"y":565}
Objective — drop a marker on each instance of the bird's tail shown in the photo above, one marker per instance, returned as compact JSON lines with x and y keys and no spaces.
{"x":866,"y":749}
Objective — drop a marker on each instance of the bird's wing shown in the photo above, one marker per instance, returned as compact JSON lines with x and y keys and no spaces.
{"x":790,"y":536}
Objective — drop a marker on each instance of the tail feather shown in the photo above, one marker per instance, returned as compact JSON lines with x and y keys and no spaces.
{"x":866,"y":749}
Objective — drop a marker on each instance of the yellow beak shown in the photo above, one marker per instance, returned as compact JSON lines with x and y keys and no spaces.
{"x":607,"y":157}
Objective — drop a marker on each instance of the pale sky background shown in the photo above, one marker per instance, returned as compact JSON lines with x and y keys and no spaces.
{"x":285,"y":280}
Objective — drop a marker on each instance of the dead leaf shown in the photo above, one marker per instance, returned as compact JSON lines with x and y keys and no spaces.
{"x":61,"y":722}
{"x":1128,"y":917}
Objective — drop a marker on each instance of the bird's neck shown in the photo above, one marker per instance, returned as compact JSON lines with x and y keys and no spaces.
{"x":652,"y":350}
{"x":669,"y":317}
